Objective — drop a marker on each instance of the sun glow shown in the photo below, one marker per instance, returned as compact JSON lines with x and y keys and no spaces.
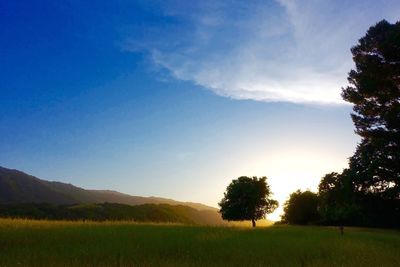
{"x":293,"y":169}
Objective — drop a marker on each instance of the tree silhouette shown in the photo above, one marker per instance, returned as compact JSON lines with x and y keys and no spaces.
{"x":368,"y":192}
{"x":247,"y":199}
{"x":301,"y":208}
{"x":338,"y":202}
{"x":375,"y":92}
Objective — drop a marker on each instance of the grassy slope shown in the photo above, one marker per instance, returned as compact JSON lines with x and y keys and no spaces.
{"x":33,"y":243}
{"x":113,"y":211}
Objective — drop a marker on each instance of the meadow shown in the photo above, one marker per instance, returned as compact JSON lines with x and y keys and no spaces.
{"x":61,"y":243}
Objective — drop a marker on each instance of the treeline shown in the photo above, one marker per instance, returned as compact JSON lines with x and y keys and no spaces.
{"x":336,"y":208}
{"x":111,"y":212}
{"x":367,"y":193}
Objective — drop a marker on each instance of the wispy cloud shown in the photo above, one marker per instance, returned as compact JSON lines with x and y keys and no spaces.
{"x":283,"y":50}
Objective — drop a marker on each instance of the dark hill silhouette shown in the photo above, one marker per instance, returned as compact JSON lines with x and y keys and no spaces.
{"x":19,"y":187}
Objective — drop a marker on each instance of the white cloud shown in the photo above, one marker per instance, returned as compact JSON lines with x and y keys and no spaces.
{"x":288,"y":50}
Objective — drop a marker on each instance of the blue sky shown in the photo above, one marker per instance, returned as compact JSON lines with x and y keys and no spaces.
{"x":176,"y":98}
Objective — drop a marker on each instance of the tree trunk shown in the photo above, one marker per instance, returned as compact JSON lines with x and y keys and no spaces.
{"x":253,"y":222}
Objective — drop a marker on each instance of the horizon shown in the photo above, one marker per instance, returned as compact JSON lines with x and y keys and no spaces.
{"x":174,"y":100}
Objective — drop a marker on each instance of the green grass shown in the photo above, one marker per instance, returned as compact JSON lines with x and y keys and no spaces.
{"x":36,"y":243}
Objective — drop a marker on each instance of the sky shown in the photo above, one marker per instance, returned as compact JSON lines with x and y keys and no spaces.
{"x":177,"y":98}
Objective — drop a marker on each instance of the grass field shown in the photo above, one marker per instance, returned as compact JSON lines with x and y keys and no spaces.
{"x":35,"y":243}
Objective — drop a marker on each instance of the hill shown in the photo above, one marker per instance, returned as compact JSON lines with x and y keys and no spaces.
{"x":26,"y":196}
{"x":160,"y":213}
{"x":19,"y":187}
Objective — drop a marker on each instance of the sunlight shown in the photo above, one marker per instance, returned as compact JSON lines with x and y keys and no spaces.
{"x":179,"y":133}
{"x":291,"y":169}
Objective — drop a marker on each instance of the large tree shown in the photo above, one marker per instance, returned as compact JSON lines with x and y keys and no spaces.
{"x":375,"y":92}
{"x":368,"y":192}
{"x":247,"y":199}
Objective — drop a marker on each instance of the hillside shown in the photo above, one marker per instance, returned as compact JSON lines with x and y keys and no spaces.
{"x":19,"y":187}
{"x":162,"y":213}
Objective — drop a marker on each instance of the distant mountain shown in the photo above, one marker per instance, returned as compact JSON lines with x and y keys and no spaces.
{"x":25,"y":196}
{"x":19,"y":187}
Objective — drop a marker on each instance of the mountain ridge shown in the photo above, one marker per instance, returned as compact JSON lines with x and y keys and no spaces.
{"x":19,"y":187}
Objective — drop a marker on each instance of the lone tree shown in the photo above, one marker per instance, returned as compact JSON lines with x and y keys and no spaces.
{"x":247,"y":199}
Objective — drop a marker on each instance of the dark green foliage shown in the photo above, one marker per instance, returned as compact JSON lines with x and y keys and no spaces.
{"x":342,"y":203}
{"x":301,"y":208}
{"x":113,"y":212}
{"x":375,"y":92}
{"x":247,"y":199}
{"x":368,"y":192}
{"x":338,"y":204}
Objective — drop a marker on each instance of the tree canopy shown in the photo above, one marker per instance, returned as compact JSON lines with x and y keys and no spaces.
{"x":368,"y":192}
{"x":247,"y":199}
{"x":375,"y":92}
{"x":337,"y":202}
{"x":301,"y":208}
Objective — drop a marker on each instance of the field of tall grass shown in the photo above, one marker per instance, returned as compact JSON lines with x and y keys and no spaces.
{"x":58,"y":243}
